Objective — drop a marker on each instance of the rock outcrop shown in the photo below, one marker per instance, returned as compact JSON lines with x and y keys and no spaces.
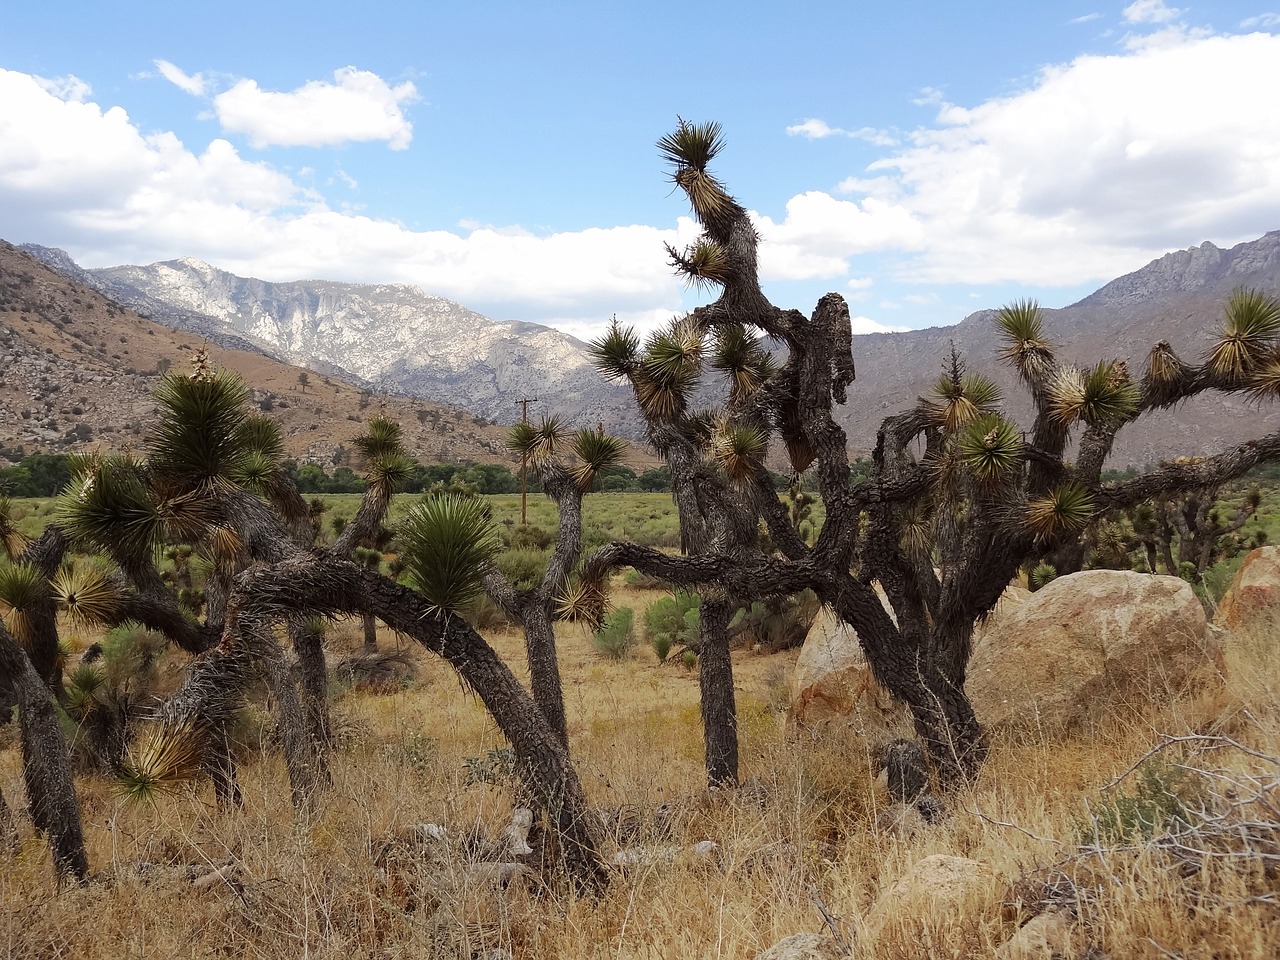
{"x":1086,"y":646}
{"x":833,"y":683}
{"x":1254,"y":595}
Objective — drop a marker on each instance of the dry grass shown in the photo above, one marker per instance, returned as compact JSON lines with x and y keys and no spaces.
{"x":348,"y":884}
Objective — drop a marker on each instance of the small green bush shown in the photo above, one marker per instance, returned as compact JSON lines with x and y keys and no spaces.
{"x":1162,"y":800}
{"x":523,"y":566}
{"x":616,"y":638}
{"x":671,"y":620}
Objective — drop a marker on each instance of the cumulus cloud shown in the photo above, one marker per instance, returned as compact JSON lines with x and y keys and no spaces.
{"x":1101,"y":164}
{"x":78,"y":175}
{"x":192,"y":83}
{"x":69,"y":87}
{"x":356,"y":106}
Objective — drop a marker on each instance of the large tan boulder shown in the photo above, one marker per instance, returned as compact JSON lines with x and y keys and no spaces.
{"x":833,"y":682}
{"x":1254,"y":595}
{"x":933,"y":887}
{"x":1087,"y":645}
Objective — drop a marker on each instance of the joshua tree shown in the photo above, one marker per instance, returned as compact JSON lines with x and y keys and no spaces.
{"x":46,"y":764}
{"x":554,"y":596}
{"x":978,"y":503}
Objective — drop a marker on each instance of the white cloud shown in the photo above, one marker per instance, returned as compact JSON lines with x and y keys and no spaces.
{"x":820,"y":233}
{"x":357,"y":106}
{"x":859,"y":283}
{"x":1086,"y":18}
{"x":861,"y":325}
{"x":1261,"y":20}
{"x":69,"y":87}
{"x":192,"y":83}
{"x":1102,"y":164}
{"x":1150,"y":11}
{"x":812,"y":129}
{"x":815,"y":129}
{"x":80,"y":176}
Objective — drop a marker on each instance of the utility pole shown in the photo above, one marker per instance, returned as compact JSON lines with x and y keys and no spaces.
{"x":524,"y":459}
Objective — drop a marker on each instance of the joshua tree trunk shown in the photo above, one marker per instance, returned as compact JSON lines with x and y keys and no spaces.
{"x":370,"y":633}
{"x":46,"y":764}
{"x":715,"y":682}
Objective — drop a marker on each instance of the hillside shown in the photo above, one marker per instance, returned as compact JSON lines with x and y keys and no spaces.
{"x":1179,"y":298}
{"x":77,"y":371}
{"x":392,"y":334}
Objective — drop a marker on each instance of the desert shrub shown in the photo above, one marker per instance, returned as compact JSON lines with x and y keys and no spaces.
{"x":670,"y":621}
{"x":1162,"y":799}
{"x":483,"y":614}
{"x":496,"y":768}
{"x":523,"y":566}
{"x":616,"y":638}
{"x":777,"y":624}
{"x":530,"y":537}
{"x":643,"y":581}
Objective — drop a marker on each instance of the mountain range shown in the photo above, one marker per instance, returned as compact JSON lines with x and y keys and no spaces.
{"x":399,"y":340}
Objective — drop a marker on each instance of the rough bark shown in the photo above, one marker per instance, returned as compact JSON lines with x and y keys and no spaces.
{"x":715,"y":684}
{"x":46,"y":764}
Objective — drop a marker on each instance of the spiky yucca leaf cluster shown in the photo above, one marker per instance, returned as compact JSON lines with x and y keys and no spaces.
{"x":581,"y":601}
{"x":109,"y":505}
{"x":669,"y":370}
{"x":1248,"y":336}
{"x":1166,"y":376}
{"x":959,"y":398}
{"x":916,"y":524}
{"x":739,"y":449}
{"x":538,"y":445}
{"x":596,"y":452}
{"x":1102,"y":396}
{"x":447,"y":544}
{"x":689,"y":149}
{"x":87,"y":594}
{"x":990,"y":449}
{"x":1067,"y":508}
{"x":198,"y":440}
{"x":12,"y":540}
{"x":617,"y":353}
{"x":169,"y":757}
{"x":740,"y":356}
{"x":1041,"y":575}
{"x":22,"y":589}
{"x":381,"y":450}
{"x":85,"y":688}
{"x":1027,"y":346}
{"x":704,"y":264}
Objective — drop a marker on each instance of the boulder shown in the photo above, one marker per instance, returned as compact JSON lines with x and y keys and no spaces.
{"x":833,"y":683}
{"x":936,"y":885}
{"x":1086,"y":645}
{"x":1254,"y":595}
{"x":804,"y":946}
{"x":1043,"y":937}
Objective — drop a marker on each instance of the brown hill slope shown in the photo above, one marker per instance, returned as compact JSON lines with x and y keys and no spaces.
{"x":77,"y":371}
{"x":1179,"y":298}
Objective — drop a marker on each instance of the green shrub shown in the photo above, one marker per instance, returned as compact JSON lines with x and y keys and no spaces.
{"x":671,"y":620}
{"x":616,"y":638}
{"x":523,"y":566}
{"x":1163,"y":799}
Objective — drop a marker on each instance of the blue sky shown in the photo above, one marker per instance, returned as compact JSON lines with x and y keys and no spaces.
{"x":925,"y":159}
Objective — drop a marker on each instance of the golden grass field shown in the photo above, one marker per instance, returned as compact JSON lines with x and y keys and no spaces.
{"x":328,"y":887}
